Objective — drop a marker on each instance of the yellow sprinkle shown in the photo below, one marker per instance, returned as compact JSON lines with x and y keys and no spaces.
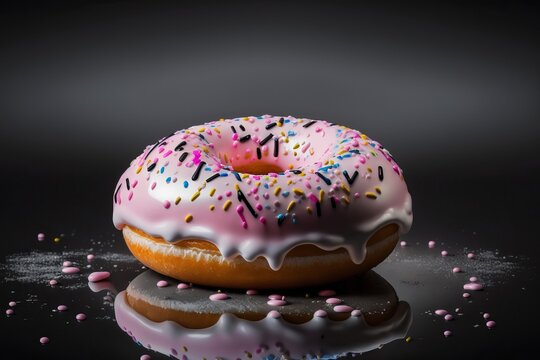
{"x":369,"y":169}
{"x":212,"y":207}
{"x":178,"y":199}
{"x":56,"y":240}
{"x":243,"y":176}
{"x":279,"y":124}
{"x":363,"y":136}
{"x":345,"y":188}
{"x":258,"y":183}
{"x":227,"y":205}
{"x":202,"y":129}
{"x":342,"y":152}
{"x":195,"y":196}
{"x":188,"y":218}
{"x":321,"y":196}
{"x":205,"y":149}
{"x":291,"y":206}
{"x":217,"y":130}
{"x":408,"y":339}
{"x":331,"y":162}
{"x":277,"y":190}
{"x":298,"y":191}
{"x":345,"y":200}
{"x":212,"y":191}
{"x":311,"y":151}
{"x":370,"y":195}
{"x":378,"y":189}
{"x":296,"y":146}
{"x":309,"y":210}
{"x":139,"y":169}
{"x":289,"y":182}
{"x":236,"y":187}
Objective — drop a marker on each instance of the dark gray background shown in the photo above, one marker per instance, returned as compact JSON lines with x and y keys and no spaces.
{"x":451,"y":89}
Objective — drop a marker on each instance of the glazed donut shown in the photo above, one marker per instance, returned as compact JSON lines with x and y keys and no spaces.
{"x":354,"y":316}
{"x":262,"y":202}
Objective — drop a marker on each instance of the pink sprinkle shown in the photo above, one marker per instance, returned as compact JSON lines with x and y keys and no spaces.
{"x":183,"y":286}
{"x":274,"y":314}
{"x":53,"y":282}
{"x":235,"y":136}
{"x":98,"y":276}
{"x":162,"y":283}
{"x":275,"y":302}
{"x":145,"y":357}
{"x":320,"y":313}
{"x":275,"y":297}
{"x":327,"y":293}
{"x":333,"y":301}
{"x":10,"y":312}
{"x":61,"y":308}
{"x":251,"y":292}
{"x":486,"y":315}
{"x":12,"y":303}
{"x":166,"y":204}
{"x":431,"y":244}
{"x":403,"y":243}
{"x":456,"y":270}
{"x":67,"y":263}
{"x":473,"y":279}
{"x":466,"y":295}
{"x":343,"y":308}
{"x":471,"y":255}
{"x":262,"y":220}
{"x":44,"y":340}
{"x":167,"y":153}
{"x":473,"y":286}
{"x":90,"y":257}
{"x":448,"y":317}
{"x":444,"y":253}
{"x":80,"y":317}
{"x":356,"y":313}
{"x":447,"y":333}
{"x":70,"y":270}
{"x":218,"y":296}
{"x":441,"y":312}
{"x":41,"y":237}
{"x":491,"y":324}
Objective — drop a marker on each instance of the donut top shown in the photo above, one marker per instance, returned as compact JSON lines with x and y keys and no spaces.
{"x":259,"y":186}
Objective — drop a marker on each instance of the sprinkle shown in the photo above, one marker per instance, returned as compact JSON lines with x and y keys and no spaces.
{"x":198,"y":171}
{"x":245,"y":138}
{"x":251,"y":292}
{"x":381,"y":173}
{"x":10,"y":312}
{"x":151,"y":167}
{"x":309,"y":124}
{"x":162,"y":283}
{"x":127,"y":184}
{"x":53,"y":282}
{"x":356,"y":313}
{"x":218,"y":296}
{"x":276,"y":147}
{"x":242,"y":198}
{"x":333,"y":301}
{"x":403,"y":243}
{"x":466,"y":295}
{"x":41,"y":237}
{"x":441,"y":312}
{"x":275,"y":302}
{"x":298,"y":191}
{"x":280,"y":122}
{"x":44,"y":340}
{"x":179,"y":147}
{"x":274,"y":315}
{"x":345,"y":188}
{"x":212,"y":192}
{"x":370,"y":195}
{"x":115,"y":195}
{"x":166,"y":204}
{"x":12,"y":303}
{"x":237,"y":176}
{"x":350,"y":180}
{"x":276,"y":297}
{"x":343,"y":308}
{"x":486,"y":316}
{"x":378,"y":190}
{"x":431,"y":244}
{"x":67,"y":263}
{"x":448,"y":317}
{"x":227,"y":205}
{"x":242,"y":128}
{"x":269,"y":126}
{"x":61,"y":308}
{"x":277,"y":191}
{"x":447,"y":333}
{"x":70,"y":270}
{"x":240,"y":211}
{"x":183,"y":157}
{"x":470,"y":256}
{"x":281,"y":219}
{"x":233,"y":129}
{"x":266,"y":139}
{"x":325,"y":179}
{"x":259,"y":154}
{"x":491,"y":324}
{"x":182,"y":286}
{"x":327,"y":293}
{"x":444,"y":253}
{"x":473,"y":279}
{"x":456,"y":270}
{"x":195,"y":196}
{"x":177,"y":200}
{"x":291,"y":206}
{"x":473,"y":286}
{"x":320,"y":313}
{"x":80,"y":317}
{"x":213,"y":177}
{"x":98,"y":276}
{"x":188,"y":218}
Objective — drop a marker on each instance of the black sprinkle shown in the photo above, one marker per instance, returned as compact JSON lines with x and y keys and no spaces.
{"x":202,"y":137}
{"x":381,"y":173}
{"x":318,"y":205}
{"x":266,"y":139}
{"x":242,"y":198}
{"x":242,"y":128}
{"x":281,"y":120}
{"x":198,"y":171}
{"x":276,"y":147}
{"x":157,"y":144}
{"x":233,"y":129}
{"x":269,"y":126}
{"x":180,"y":146}
{"x":324,"y":178}
{"x":127,"y":183}
{"x":151,"y":167}
{"x":116,"y":194}
{"x":333,"y":124}
{"x":350,"y":180}
{"x":296,"y":172}
{"x":245,"y":138}
{"x":259,"y":154}
{"x":280,"y":220}
{"x":183,"y":157}
{"x":237,"y":176}
{"x":213,"y":177}
{"x":333,"y":202}
{"x":309,"y":124}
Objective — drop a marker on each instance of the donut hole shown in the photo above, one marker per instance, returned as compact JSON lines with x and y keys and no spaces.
{"x":258,"y":168}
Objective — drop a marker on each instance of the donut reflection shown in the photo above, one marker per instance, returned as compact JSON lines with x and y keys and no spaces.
{"x":350,"y":317}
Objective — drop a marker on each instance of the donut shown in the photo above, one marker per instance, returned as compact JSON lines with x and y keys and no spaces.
{"x":262,"y":202}
{"x":179,"y":321}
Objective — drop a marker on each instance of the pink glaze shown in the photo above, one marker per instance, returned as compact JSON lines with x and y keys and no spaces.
{"x":275,"y":302}
{"x":473,"y":286}
{"x":80,"y":317}
{"x":320,"y":313}
{"x":327,"y":293}
{"x":441,"y":312}
{"x":99,"y":276}
{"x":183,"y":286}
{"x":333,"y":301}
{"x":218,"y":296}
{"x":343,"y":308}
{"x":70,"y":270}
{"x":162,"y":283}
{"x":206,"y":174}
{"x":61,"y":308}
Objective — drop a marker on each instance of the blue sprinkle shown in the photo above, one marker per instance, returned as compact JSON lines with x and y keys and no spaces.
{"x":285,"y":193}
{"x":291,"y":133}
{"x":162,"y":169}
{"x":223,"y":174}
{"x":168,"y":180}
{"x":186,"y":184}
{"x":266,"y":186}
